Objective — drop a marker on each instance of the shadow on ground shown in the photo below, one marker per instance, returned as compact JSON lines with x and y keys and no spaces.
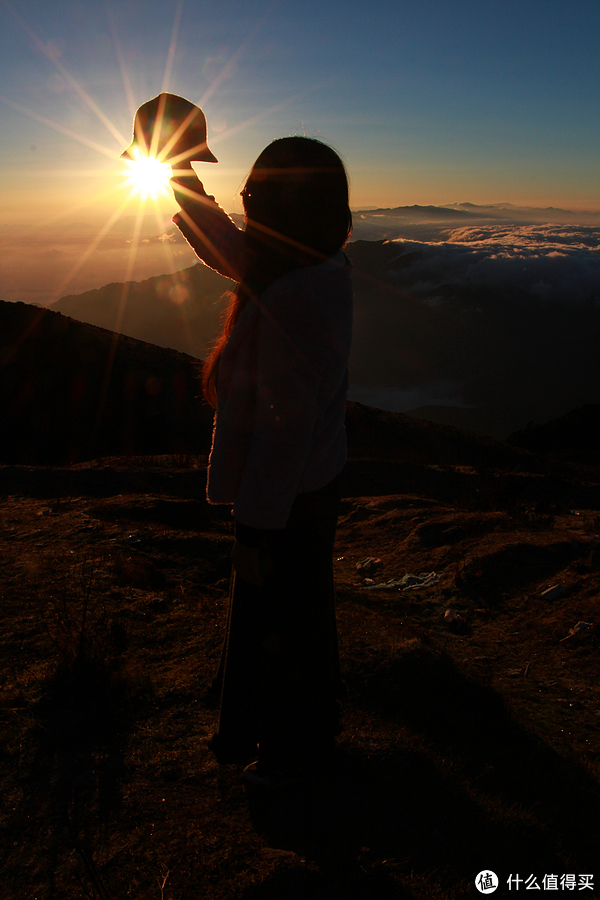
{"x":467,"y":788}
{"x":72,"y":778}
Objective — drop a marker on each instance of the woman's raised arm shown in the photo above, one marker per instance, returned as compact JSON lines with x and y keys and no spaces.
{"x":207,"y":228}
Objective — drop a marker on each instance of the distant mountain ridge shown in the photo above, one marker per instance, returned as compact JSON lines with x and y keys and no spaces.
{"x":429,"y":213}
{"x":491,"y":212}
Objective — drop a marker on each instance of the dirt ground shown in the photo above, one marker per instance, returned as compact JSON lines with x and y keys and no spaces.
{"x":467,"y":744}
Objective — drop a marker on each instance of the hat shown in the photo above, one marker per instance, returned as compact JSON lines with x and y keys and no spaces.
{"x":181,"y":130}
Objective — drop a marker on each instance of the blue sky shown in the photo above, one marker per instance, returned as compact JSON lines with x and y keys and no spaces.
{"x":427,"y":102}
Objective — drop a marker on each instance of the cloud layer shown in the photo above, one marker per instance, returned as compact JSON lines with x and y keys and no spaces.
{"x":557,"y":264}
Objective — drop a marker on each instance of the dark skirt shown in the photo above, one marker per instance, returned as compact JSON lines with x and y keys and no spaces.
{"x":280,"y":671}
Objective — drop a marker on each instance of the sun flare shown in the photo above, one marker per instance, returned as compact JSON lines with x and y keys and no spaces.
{"x":148,"y":177}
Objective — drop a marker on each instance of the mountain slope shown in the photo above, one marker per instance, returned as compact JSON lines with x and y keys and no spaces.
{"x":71,"y":391}
{"x":181,"y":310}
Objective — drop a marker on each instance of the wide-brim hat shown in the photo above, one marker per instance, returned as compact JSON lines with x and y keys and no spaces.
{"x":170,"y":128}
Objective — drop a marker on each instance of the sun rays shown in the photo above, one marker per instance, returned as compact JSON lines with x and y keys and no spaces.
{"x":138,"y":186}
{"x":147,"y":176}
{"x":135,"y":186}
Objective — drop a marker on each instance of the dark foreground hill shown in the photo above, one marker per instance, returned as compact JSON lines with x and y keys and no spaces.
{"x":574,"y":437}
{"x":471,"y":658}
{"x":470,"y":653}
{"x":70,"y":391}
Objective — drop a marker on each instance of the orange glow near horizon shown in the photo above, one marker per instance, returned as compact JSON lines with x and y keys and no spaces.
{"x":41,"y":194}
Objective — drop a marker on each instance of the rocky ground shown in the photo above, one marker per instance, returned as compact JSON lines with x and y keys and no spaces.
{"x":467,"y":744}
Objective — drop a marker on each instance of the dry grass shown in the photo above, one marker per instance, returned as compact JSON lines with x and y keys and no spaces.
{"x":463,"y":748}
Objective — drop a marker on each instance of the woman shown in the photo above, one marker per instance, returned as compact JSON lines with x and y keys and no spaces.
{"x":278,"y":378}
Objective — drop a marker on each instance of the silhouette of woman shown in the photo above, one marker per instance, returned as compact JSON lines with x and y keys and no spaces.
{"x":278,"y":377}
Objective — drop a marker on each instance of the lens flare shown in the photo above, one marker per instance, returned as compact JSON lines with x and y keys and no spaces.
{"x":148,"y":176}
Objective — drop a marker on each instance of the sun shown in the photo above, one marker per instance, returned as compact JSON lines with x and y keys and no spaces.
{"x":148,"y":176}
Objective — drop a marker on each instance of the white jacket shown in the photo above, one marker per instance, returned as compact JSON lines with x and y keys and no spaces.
{"x":282,"y":379}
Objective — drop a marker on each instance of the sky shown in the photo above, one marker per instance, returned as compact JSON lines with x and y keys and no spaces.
{"x":428,"y":102}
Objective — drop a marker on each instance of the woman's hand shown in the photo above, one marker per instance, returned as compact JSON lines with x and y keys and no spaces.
{"x":185,"y":183}
{"x":245,"y":563}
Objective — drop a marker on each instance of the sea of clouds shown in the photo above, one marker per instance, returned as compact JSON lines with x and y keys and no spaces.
{"x":536,"y":270}
{"x":554,"y":263}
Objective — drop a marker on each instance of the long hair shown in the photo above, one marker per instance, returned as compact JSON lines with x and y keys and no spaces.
{"x":297,"y":214}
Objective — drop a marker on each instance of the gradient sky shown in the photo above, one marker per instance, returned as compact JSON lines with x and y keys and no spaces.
{"x":435,"y":101}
